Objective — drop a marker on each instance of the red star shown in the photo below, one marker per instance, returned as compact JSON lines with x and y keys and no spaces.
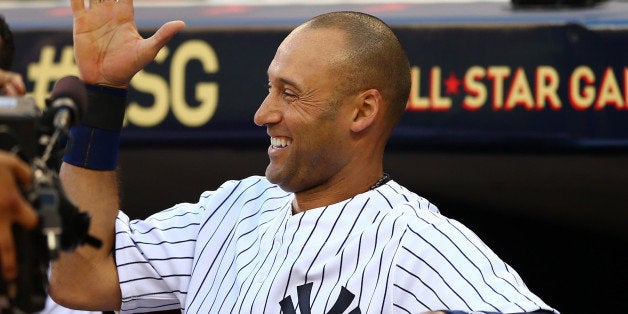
{"x":453,"y":84}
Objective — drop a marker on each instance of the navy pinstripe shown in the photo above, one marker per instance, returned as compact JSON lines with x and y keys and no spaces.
{"x":240,"y":250}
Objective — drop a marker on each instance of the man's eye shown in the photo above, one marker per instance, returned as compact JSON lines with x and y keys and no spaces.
{"x":289,"y":95}
{"x":286,"y":93}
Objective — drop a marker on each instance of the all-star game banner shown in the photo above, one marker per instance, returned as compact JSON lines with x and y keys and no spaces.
{"x":528,"y":85}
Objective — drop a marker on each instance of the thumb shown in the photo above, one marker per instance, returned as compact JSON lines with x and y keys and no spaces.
{"x":26,"y":215}
{"x":164,"y":34}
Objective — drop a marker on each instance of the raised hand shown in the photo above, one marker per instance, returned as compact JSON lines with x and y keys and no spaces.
{"x":107,"y":46}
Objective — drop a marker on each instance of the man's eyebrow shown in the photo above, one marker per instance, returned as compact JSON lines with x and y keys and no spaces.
{"x":287,"y":81}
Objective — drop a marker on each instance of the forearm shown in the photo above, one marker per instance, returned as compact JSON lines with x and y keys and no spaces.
{"x":87,"y":277}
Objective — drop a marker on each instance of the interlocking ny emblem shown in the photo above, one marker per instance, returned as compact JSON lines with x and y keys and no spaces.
{"x":304,"y":291}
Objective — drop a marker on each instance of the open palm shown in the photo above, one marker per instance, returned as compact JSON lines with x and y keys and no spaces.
{"x":107,"y":46}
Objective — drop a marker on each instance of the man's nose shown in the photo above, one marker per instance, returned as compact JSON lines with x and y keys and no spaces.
{"x":267,"y":112}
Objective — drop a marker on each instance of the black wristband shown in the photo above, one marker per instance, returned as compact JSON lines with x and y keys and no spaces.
{"x":93,"y":144}
{"x":105,"y":107}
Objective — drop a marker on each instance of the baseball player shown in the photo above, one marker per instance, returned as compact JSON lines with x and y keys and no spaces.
{"x":324,"y":231}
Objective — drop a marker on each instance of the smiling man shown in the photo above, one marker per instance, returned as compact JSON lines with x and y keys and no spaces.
{"x":324,"y":231}
{"x":328,"y":126}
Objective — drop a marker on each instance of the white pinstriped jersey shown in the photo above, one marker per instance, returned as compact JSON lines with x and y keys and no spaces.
{"x":240,"y":250}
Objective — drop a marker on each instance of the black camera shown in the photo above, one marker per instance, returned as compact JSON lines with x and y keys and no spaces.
{"x":39,"y":137}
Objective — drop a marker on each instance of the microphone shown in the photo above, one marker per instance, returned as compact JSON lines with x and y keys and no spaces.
{"x":67,"y":102}
{"x":64,"y":108}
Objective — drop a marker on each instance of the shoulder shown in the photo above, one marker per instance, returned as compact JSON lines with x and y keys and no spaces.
{"x":418,"y":219}
{"x":406,"y":213}
{"x":412,"y":210}
{"x":247,"y":195}
{"x":257,"y":181}
{"x":248,"y":186}
{"x":400,"y":198}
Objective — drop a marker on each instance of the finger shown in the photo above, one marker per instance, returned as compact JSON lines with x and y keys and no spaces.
{"x":7,"y":253}
{"x":26,"y":215}
{"x":13,"y":205}
{"x":18,"y":168}
{"x":19,"y":85}
{"x":9,"y":90}
{"x":12,"y":90}
{"x":17,"y":209}
{"x":12,"y":83}
{"x":164,"y":34}
{"x":78,"y":6}
{"x":110,"y":3}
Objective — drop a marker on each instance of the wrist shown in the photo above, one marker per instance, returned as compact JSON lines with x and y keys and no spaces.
{"x":105,"y":107}
{"x":94,"y":143}
{"x":92,"y":148}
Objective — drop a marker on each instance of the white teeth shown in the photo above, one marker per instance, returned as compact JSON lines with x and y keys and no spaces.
{"x":279,"y":142}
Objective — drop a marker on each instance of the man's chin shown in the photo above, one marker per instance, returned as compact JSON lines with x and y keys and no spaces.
{"x":275,"y":178}
{"x":272,"y":176}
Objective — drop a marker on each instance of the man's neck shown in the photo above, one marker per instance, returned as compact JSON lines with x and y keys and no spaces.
{"x":337,"y":190}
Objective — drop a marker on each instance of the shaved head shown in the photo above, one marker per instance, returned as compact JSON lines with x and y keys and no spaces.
{"x":374,"y":58}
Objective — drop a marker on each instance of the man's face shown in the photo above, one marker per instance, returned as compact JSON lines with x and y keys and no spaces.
{"x":307,"y":120}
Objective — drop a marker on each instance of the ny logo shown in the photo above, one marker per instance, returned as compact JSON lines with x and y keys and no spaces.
{"x":304,"y":291}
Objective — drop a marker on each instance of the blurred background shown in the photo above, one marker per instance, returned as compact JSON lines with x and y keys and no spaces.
{"x":517,"y":124}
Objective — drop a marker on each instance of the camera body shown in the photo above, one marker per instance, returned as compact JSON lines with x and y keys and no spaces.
{"x":19,"y":119}
{"x":39,"y":139}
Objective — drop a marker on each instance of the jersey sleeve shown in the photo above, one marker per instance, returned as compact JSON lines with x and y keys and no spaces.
{"x":154,"y":257}
{"x":442,"y":265}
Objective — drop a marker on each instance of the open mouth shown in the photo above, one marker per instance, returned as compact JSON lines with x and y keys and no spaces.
{"x":280,"y":142}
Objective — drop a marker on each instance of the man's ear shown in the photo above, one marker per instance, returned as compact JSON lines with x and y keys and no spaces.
{"x":368,"y":105}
